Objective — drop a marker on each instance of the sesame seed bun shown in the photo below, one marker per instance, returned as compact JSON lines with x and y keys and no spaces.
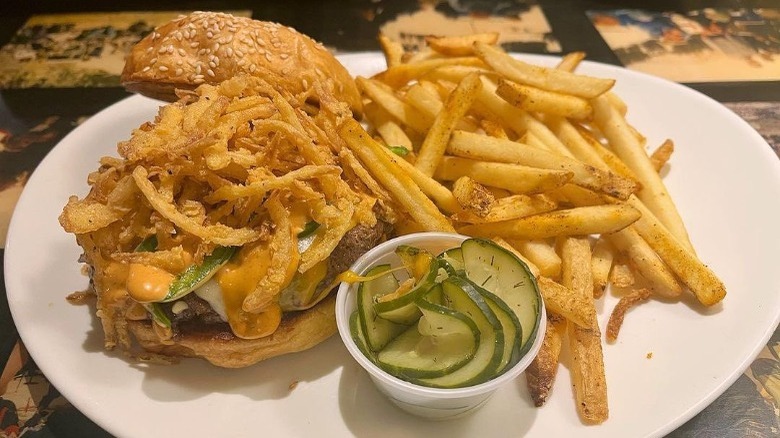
{"x":210,"y":47}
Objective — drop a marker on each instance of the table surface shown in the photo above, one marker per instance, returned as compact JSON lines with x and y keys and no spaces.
{"x":37,"y":110}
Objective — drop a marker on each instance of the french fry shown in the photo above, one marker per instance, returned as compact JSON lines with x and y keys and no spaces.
{"x":577,"y":221}
{"x":570,"y":61}
{"x":617,"y":103}
{"x":393,"y":178}
{"x":512,"y":177}
{"x":580,"y":196}
{"x":421,"y":55}
{"x":534,"y":99}
{"x":626,"y":146}
{"x":565,"y":302}
{"x":587,"y":360}
{"x":394,"y":105}
{"x":575,"y":141}
{"x":661,"y":155}
{"x":460,"y":45}
{"x":517,"y":119}
{"x":399,"y":75}
{"x":541,"y":77}
{"x":601,"y":264}
{"x":608,"y":157}
{"x":441,"y":195}
{"x":509,"y":207}
{"x":475,"y":146}
{"x":700,"y":279}
{"x":493,"y":129}
{"x":621,"y":275}
{"x":646,"y":262}
{"x":435,"y":143}
{"x":390,"y":131}
{"x":455,"y":73}
{"x":424,"y":97}
{"x":473,"y":196}
{"x":540,"y":374}
{"x":393,"y":50}
{"x":542,"y":254}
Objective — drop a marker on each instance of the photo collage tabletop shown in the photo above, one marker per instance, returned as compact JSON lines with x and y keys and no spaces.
{"x":59,"y":68}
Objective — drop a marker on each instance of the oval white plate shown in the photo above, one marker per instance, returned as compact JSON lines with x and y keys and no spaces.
{"x":724,"y":178}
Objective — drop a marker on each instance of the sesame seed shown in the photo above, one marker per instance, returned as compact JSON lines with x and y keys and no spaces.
{"x":210,"y":72}
{"x":199,"y":80}
{"x":252,"y":68}
{"x":212,"y":64}
{"x":216,"y":46}
{"x":194,"y":44}
{"x":182,"y":52}
{"x":162,"y":50}
{"x":268,"y":56}
{"x":146,"y":69}
{"x":239,"y":53}
{"x":229,"y":51}
{"x":197,"y":69}
{"x":153,"y":60}
{"x":163,"y":68}
{"x":284,"y":56}
{"x":209,"y":34}
{"x":179,"y":72}
{"x":170,"y":49}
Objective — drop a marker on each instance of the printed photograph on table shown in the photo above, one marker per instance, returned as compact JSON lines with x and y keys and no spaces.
{"x":521,"y":23}
{"x":76,"y":50}
{"x":707,"y":45}
{"x":750,"y":407}
{"x":764,"y":117}
{"x":23,"y":144}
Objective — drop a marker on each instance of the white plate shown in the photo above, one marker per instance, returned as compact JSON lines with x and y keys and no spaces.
{"x":724,"y":178}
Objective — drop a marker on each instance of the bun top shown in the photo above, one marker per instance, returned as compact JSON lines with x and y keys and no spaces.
{"x":210,"y":47}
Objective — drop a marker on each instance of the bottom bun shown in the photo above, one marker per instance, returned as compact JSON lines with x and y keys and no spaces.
{"x":297,"y":332}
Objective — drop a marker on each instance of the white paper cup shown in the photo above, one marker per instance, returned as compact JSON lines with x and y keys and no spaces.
{"x":419,"y":400}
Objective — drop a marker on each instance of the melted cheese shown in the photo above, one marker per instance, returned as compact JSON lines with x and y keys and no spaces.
{"x":148,"y":284}
{"x":237,"y":279}
{"x":212,"y":294}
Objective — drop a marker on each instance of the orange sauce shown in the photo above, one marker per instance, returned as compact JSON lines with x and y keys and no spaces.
{"x":236,"y":280}
{"x":147,"y":284}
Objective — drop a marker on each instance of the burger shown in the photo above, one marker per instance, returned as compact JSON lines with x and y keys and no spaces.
{"x":220,"y":230}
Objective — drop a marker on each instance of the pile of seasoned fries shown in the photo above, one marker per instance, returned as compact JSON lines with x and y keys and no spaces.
{"x":542,"y":160}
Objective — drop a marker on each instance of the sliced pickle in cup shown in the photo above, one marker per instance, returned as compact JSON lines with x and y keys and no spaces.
{"x":442,"y":341}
